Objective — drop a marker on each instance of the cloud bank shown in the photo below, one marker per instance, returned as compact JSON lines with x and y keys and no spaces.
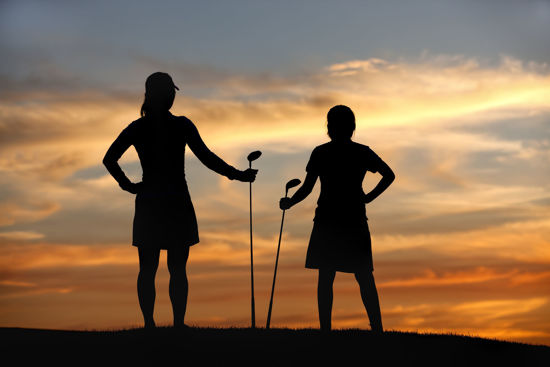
{"x":464,"y":228}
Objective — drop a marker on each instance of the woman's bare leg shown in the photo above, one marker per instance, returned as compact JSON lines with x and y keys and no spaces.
{"x":324,"y":297}
{"x":148,"y":265}
{"x":369,"y":295}
{"x":179,"y":286}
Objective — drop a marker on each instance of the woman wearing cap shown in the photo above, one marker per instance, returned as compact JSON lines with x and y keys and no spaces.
{"x":164,"y":214}
{"x":340,"y":239}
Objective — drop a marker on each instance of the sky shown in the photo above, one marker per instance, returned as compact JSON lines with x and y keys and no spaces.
{"x":453,"y":95}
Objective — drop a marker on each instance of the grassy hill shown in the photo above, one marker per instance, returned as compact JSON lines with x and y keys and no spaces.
{"x":261,"y":347}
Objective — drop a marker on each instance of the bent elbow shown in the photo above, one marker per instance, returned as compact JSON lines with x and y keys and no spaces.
{"x":388,"y":176}
{"x":107,"y":161}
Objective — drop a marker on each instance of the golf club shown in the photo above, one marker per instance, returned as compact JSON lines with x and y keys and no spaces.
{"x":252,"y":157}
{"x":290,"y":184}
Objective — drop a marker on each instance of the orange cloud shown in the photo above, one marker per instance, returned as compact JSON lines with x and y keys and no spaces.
{"x":46,"y":255}
{"x":21,"y":235}
{"x":383,"y":93}
{"x":430,"y":278}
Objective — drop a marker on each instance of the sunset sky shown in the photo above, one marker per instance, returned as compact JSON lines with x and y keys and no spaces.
{"x":453,"y":95}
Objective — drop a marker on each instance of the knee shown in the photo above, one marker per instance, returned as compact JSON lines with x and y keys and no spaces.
{"x":147,"y":273}
{"x":177,"y":269}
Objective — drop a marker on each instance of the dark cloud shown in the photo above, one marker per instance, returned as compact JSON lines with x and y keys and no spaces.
{"x":87,"y":226}
{"x":97,"y":171}
{"x":25,"y":211}
{"x":202,"y":79}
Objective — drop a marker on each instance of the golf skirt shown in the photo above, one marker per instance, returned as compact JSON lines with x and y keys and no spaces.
{"x":340,"y":246}
{"x":164,"y":219}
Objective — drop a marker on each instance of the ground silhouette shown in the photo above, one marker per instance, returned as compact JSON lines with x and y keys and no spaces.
{"x":262,"y":347}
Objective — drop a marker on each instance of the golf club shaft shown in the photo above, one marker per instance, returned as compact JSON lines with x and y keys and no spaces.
{"x":275,"y":273}
{"x":251,"y":259}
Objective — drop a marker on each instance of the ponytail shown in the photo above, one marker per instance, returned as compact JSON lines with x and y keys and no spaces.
{"x":159,"y":102}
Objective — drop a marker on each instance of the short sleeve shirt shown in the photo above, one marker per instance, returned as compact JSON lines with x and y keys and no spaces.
{"x":341,"y":167}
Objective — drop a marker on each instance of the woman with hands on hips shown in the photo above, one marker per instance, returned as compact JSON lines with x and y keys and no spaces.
{"x":164,"y":214}
{"x":340,"y":239}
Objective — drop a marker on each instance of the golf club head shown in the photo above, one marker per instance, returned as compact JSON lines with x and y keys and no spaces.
{"x":292,"y":183}
{"x":254,"y":155}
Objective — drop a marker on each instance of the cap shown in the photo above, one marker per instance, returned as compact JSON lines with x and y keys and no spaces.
{"x":159,"y":81}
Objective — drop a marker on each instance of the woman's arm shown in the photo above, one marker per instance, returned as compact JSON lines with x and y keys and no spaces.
{"x":115,"y":151}
{"x":387,"y":178}
{"x":301,"y":193}
{"x":215,"y":163}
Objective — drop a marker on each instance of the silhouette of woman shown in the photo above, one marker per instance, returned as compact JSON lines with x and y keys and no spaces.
{"x":340,"y":239}
{"x":164,"y":214}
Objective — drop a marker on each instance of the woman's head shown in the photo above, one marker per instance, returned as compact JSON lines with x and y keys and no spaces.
{"x":160,"y":92}
{"x":340,"y":122}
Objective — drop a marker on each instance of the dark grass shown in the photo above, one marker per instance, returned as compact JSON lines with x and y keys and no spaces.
{"x":261,"y":347}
